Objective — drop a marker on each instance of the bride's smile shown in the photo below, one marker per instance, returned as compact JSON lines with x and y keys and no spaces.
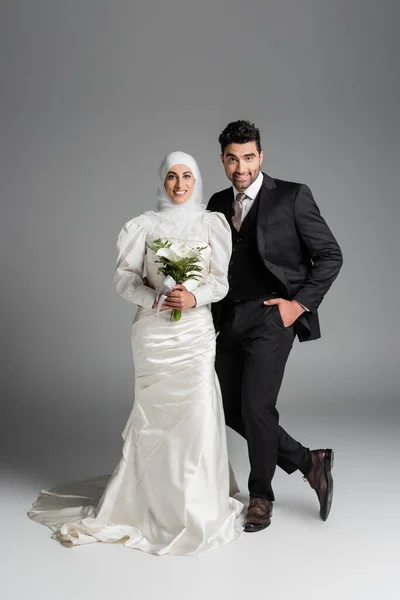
{"x":179,"y":183}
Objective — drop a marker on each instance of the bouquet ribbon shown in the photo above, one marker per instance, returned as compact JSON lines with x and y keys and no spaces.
{"x":166,"y":286}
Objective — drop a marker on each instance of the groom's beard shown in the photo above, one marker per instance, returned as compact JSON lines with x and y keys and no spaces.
{"x":241,"y":186}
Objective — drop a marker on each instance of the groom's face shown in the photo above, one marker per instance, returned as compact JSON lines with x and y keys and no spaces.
{"x":242,"y":163}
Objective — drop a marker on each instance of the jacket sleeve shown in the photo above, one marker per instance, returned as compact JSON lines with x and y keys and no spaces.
{"x":321,"y":246}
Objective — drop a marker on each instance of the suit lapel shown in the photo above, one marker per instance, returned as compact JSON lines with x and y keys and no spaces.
{"x":226,"y":203}
{"x":268,"y":199}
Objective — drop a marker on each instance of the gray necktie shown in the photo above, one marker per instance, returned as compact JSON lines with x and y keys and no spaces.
{"x":238,"y":211}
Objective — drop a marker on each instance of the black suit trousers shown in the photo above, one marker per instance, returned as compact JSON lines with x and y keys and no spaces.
{"x":253,"y":346}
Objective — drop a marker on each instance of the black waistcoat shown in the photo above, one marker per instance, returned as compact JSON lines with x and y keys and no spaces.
{"x":247,"y":275}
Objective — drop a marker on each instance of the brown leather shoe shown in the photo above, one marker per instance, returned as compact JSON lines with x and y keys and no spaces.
{"x":320,"y":479}
{"x":259,"y":513}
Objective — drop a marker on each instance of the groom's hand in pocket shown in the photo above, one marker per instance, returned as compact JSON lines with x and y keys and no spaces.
{"x":290,"y":310}
{"x":180,"y":298}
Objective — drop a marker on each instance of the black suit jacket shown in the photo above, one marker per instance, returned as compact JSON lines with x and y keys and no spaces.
{"x":295,"y":245}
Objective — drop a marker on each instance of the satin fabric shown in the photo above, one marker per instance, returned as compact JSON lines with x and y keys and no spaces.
{"x":170,"y":492}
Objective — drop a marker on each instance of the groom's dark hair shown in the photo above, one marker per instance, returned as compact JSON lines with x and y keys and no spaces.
{"x":239,"y":132}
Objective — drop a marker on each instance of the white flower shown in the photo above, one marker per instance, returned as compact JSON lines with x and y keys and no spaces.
{"x":168,"y":254}
{"x":177,"y":251}
{"x":187,"y":252}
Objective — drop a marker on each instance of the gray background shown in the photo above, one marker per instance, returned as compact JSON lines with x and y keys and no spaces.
{"x":94,"y":93}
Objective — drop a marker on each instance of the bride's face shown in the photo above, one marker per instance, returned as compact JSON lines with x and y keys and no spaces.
{"x":179,"y":183}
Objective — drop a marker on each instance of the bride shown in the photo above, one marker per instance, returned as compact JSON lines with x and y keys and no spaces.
{"x":170,"y":492}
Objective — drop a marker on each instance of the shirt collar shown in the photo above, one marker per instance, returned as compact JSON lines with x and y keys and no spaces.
{"x":253,"y":189}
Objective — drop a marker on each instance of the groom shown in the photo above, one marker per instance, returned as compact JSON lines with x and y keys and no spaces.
{"x":283,"y":262}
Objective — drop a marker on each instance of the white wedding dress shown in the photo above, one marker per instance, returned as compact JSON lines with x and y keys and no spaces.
{"x":170,"y":492}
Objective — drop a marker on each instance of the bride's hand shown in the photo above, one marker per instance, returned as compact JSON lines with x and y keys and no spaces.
{"x":164,"y":305}
{"x":180,"y":298}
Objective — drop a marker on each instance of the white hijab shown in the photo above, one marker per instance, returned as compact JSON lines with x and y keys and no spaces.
{"x":164,"y":202}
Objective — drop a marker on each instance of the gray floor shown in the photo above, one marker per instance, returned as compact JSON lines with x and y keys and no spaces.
{"x":354,"y":555}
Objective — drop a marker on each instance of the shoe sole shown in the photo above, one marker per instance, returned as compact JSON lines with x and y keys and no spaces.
{"x":255,"y":528}
{"x":328,"y":466}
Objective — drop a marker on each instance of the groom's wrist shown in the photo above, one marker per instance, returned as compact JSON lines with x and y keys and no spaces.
{"x":305,"y":309}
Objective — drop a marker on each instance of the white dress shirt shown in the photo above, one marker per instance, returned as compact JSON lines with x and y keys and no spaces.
{"x":250,"y":194}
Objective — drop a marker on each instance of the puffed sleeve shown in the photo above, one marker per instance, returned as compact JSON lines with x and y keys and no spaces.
{"x":215,"y":286}
{"x":129,"y":271}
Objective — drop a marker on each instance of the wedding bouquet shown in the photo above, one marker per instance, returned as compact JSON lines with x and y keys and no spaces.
{"x":178,"y":262}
